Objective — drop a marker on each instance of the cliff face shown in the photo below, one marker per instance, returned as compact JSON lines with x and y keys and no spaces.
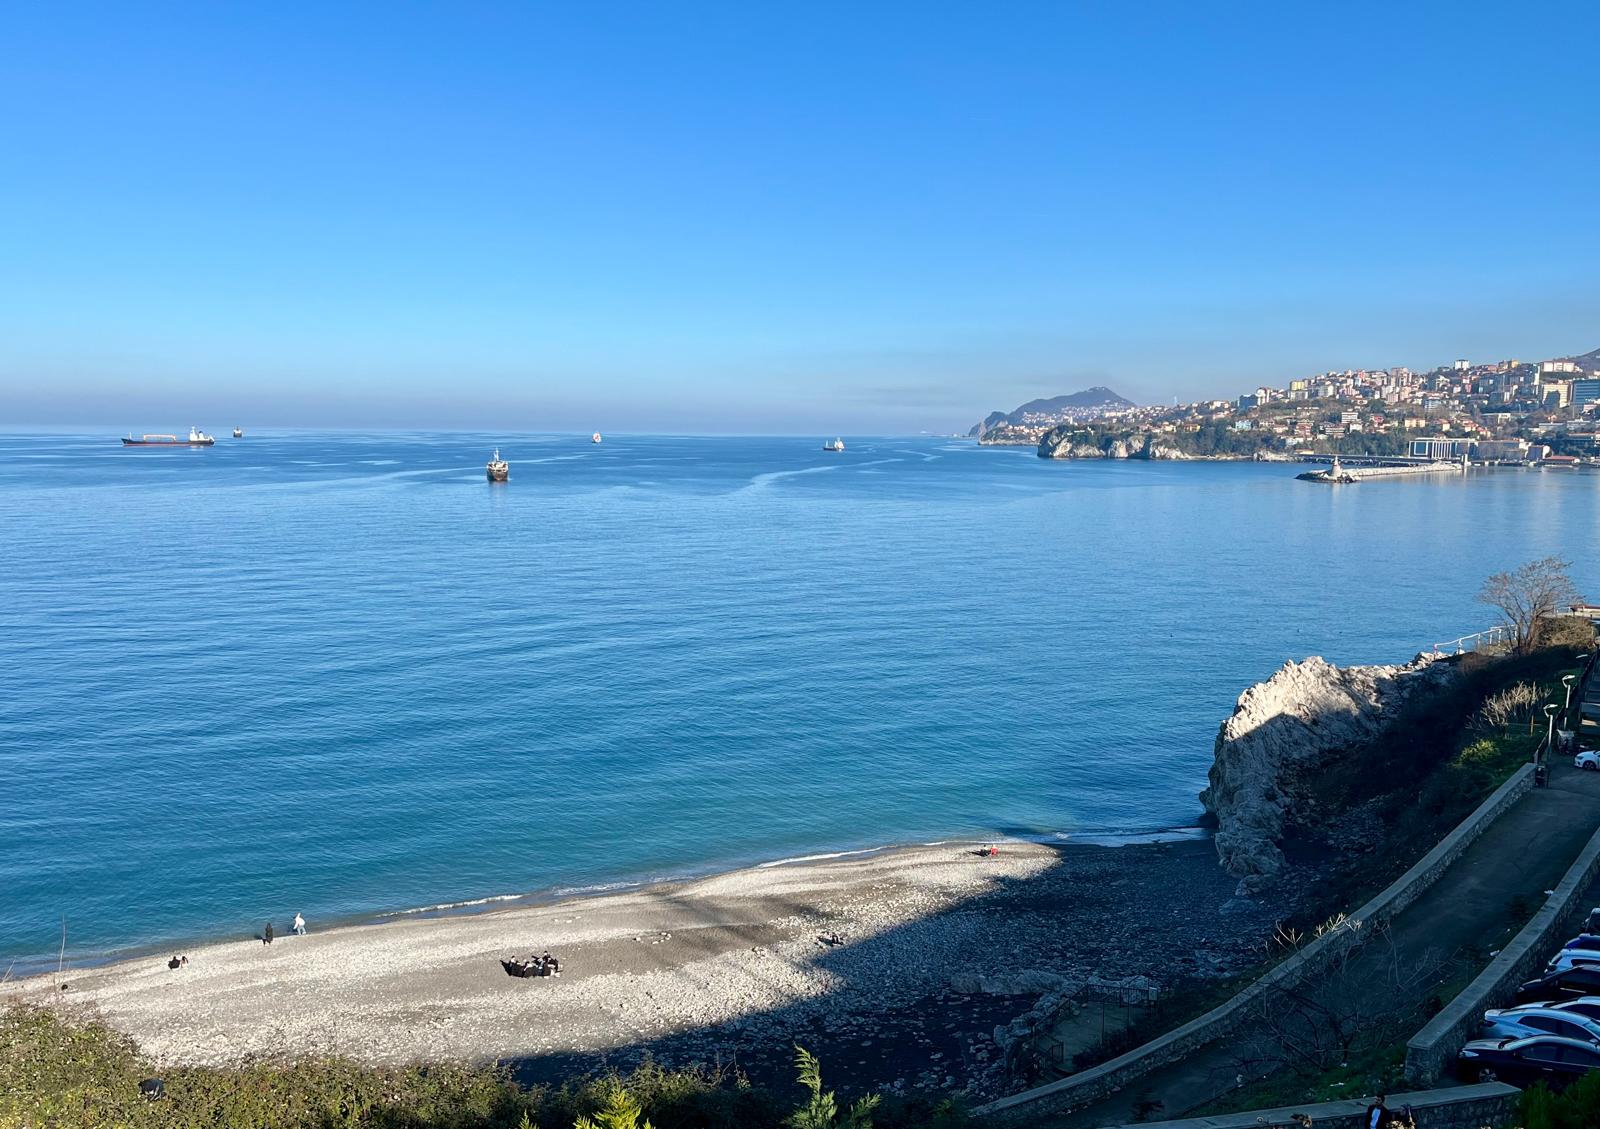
{"x":1057,"y":444}
{"x":1267,"y":756}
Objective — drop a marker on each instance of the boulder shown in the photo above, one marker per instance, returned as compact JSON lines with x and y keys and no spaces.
{"x":1281,"y":733}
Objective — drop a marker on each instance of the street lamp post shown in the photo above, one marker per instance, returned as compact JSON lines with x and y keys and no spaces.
{"x":1541,"y":771}
{"x":1566,"y":709}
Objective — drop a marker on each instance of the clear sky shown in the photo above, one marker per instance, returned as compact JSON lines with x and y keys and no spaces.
{"x":860,"y":217}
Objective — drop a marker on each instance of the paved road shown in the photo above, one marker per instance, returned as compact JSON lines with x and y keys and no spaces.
{"x":1524,"y":854}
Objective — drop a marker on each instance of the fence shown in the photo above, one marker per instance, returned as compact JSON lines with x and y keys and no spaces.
{"x":1495,"y":636}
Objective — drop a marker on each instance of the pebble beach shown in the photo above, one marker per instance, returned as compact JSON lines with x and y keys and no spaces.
{"x":941,"y":948}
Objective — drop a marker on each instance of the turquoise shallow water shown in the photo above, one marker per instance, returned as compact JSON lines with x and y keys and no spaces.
{"x":343,"y":674}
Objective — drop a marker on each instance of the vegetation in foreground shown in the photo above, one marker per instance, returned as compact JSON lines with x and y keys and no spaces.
{"x":62,"y":1073}
{"x":1576,"y":1107}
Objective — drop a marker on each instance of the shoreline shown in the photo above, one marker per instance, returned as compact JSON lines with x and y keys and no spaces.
{"x":29,"y":967}
{"x":941,"y":948}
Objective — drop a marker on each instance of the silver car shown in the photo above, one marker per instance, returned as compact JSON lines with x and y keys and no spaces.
{"x":1588,"y":1006}
{"x":1536,"y":1019}
{"x":1571,"y":958}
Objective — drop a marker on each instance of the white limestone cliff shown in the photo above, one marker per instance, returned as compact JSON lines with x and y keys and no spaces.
{"x":1307,"y":716}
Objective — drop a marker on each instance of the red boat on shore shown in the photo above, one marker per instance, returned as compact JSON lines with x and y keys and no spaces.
{"x":197,"y":438}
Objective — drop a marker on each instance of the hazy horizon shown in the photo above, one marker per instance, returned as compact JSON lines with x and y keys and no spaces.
{"x":712,"y":219}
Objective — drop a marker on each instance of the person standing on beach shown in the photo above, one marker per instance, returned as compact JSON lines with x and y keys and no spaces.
{"x":266,"y":934}
{"x":299,"y":925}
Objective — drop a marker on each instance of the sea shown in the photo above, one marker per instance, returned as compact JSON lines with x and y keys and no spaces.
{"x":343,"y":674}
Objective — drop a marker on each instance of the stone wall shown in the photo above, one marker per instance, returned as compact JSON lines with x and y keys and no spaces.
{"x":1432,"y":1050}
{"x":1088,"y":1086}
{"x":1460,"y":1107}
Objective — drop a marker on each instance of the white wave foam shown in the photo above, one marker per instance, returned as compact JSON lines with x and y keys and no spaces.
{"x":1130,"y":838}
{"x":443,"y":906}
{"x":819,"y":858}
{"x":596,"y":888}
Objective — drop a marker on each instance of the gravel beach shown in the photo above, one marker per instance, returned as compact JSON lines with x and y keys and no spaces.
{"x":941,"y":948}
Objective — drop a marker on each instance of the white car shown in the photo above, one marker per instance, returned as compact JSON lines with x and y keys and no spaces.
{"x":1587,"y":759}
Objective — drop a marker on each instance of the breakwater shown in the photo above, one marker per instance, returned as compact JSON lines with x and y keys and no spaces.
{"x":1341,"y":473}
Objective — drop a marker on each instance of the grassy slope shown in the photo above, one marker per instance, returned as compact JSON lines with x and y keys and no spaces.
{"x":77,"y":1074}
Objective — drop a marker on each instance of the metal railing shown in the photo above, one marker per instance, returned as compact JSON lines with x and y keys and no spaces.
{"x":1494,"y":636}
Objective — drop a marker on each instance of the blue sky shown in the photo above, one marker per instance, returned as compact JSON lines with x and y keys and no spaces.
{"x":743,"y":217}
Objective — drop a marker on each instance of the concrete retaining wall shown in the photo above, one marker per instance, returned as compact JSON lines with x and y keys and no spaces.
{"x":1432,"y":1051}
{"x":1461,"y":1107}
{"x":1088,"y":1086}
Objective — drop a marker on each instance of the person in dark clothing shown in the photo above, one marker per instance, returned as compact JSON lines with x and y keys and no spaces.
{"x":1378,"y":1114}
{"x":266,"y":934}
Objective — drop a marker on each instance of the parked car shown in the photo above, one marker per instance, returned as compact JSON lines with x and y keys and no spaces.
{"x":1587,"y":759}
{"x":1588,"y":1006}
{"x":1583,"y":941}
{"x":1568,"y":984}
{"x":1550,"y":1059}
{"x":1571,"y":958}
{"x":1533,"y":1019}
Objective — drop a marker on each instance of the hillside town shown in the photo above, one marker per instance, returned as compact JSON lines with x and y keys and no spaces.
{"x":1491,"y":412}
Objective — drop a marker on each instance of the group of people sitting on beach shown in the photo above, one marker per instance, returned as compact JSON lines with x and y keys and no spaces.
{"x":177,"y":962}
{"x":540,"y":965}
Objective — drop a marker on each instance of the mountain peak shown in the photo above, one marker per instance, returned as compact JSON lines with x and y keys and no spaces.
{"x":1087,"y":404}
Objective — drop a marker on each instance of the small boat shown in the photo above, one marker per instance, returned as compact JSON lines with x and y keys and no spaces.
{"x":497,"y":468}
{"x":197,"y":438}
{"x":836,"y":445}
{"x":595,"y":438}
{"x":238,"y":433}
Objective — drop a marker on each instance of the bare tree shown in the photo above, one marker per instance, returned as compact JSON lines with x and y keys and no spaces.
{"x":1535,"y":591}
{"x":1363,"y":996}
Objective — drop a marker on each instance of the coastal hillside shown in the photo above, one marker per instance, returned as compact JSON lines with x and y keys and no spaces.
{"x":1105,"y":440}
{"x":1282,"y":736}
{"x":1589,"y":362}
{"x":1318,"y":763}
{"x":1090,"y":403}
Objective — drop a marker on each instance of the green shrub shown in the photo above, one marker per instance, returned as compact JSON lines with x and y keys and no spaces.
{"x":62,"y":1072}
{"x":1577,"y":1107}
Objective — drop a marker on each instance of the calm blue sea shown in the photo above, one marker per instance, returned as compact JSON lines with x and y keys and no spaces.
{"x":343,"y":674}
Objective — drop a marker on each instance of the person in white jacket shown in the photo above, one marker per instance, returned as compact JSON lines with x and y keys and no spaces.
{"x":299,"y":925}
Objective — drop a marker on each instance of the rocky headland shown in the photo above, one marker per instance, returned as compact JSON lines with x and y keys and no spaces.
{"x":1090,"y":403}
{"x":1283,"y":736}
{"x":1068,"y":443}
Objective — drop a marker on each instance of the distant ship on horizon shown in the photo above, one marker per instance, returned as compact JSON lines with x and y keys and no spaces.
{"x":238,"y":433}
{"x":497,"y":468}
{"x":197,"y":438}
{"x":836,"y":445}
{"x":595,"y":438}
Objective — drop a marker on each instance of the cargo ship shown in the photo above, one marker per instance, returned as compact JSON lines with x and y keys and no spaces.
{"x":497,"y":468}
{"x":197,"y":438}
{"x":836,"y":445}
